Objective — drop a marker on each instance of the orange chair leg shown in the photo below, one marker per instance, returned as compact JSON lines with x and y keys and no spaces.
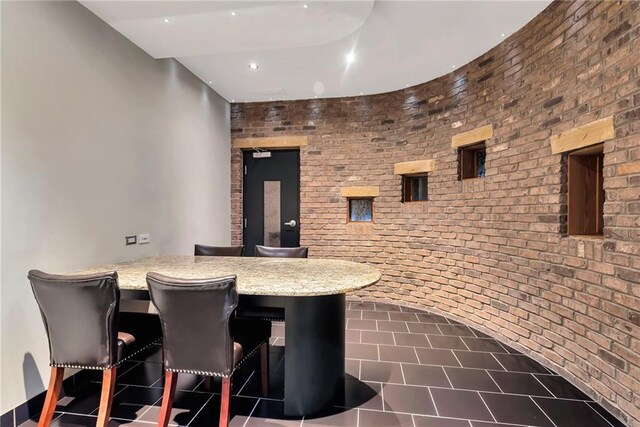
{"x":225,"y":402}
{"x":264,"y":368}
{"x":106,"y":397}
{"x":55,"y":385}
{"x":170,"y":381}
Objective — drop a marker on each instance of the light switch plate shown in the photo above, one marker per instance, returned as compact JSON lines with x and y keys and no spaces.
{"x":143,"y":239}
{"x":131,"y":240}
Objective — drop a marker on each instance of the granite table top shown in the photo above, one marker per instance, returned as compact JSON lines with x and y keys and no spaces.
{"x":256,"y":276}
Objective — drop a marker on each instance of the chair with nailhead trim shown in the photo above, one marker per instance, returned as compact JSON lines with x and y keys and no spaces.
{"x":80,"y":315}
{"x":202,"y":336}
{"x":204,"y":250}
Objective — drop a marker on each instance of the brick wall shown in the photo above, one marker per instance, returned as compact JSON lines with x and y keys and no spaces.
{"x":491,"y":252}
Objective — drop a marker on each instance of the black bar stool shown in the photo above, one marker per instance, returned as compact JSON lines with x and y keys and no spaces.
{"x":202,"y":337}
{"x":80,"y":314}
{"x":204,"y":250}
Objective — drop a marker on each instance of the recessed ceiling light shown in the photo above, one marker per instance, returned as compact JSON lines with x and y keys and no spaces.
{"x":233,"y":14}
{"x":166,"y":20}
{"x":315,"y":96}
{"x":253,"y":66}
{"x":209,"y":81}
{"x":350,"y":57}
{"x":502,"y":34}
{"x":306,"y":6}
{"x":270,"y":99}
{"x":233,"y":100}
{"x":453,"y":66}
{"x":361,"y":93}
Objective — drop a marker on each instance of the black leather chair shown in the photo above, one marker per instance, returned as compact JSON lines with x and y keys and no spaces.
{"x":80,"y":314}
{"x":201,"y":335}
{"x":268,"y":251}
{"x":204,"y":250}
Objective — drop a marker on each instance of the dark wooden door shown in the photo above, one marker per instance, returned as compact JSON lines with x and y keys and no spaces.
{"x":271,"y":189}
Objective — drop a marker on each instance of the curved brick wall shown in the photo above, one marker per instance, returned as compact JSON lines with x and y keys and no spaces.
{"x":491,"y":252}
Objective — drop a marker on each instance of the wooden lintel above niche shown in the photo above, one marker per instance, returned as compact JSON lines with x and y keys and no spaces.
{"x":353,"y":192}
{"x":416,"y":166}
{"x":472,"y":137}
{"x":272,"y":143}
{"x":583,"y":136}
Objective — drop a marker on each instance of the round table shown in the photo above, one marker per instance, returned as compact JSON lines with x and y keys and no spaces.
{"x":312,"y":294}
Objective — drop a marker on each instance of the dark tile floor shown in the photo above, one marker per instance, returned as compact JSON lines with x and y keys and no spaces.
{"x":404,"y":368}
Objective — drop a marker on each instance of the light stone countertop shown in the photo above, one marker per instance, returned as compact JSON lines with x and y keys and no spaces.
{"x":256,"y":276}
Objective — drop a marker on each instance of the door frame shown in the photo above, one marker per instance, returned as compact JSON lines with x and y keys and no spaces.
{"x":270,"y":146}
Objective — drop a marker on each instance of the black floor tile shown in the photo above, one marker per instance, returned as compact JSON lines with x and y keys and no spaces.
{"x":571,"y":413}
{"x":361,"y":351}
{"x":474,"y":359}
{"x":374,"y":337}
{"x":561,"y":388}
{"x":387,"y":307}
{"x":252,"y":387}
{"x":83,"y":401}
{"x":384,"y":372}
{"x":460,"y":404}
{"x":483,"y":344}
{"x":352,"y":367}
{"x":359,"y":394}
{"x":520,"y":363}
{"x":390,"y":353}
{"x":361,"y":306}
{"x":471,"y":379}
{"x":152,"y":354}
{"x":414,"y":340}
{"x":486,"y":424}
{"x":186,"y":406}
{"x":6,"y":420}
{"x":428,"y":356}
{"x":353,"y":314}
{"x":425,"y":375}
{"x":519,"y":383}
{"x":391,"y":326}
{"x":144,"y":374}
{"x":240,"y":409}
{"x":362,"y":325}
{"x":423,"y":328}
{"x":439,"y":422}
{"x":408,"y":399}
{"x":403,"y":317}
{"x":456,"y":330}
{"x":516,"y":410}
{"x":68,"y":420}
{"x":431,"y":318}
{"x":375,"y":315}
{"x":606,"y":415}
{"x":352,"y":336}
{"x":133,"y":401}
{"x":448,"y":343}
{"x":335,"y":417}
{"x":383,"y":419}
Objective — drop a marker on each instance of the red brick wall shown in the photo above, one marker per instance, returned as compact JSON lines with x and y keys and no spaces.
{"x":491,"y":252}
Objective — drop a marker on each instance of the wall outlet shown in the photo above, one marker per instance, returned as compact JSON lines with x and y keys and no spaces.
{"x":130,"y":240}
{"x":143,"y":239}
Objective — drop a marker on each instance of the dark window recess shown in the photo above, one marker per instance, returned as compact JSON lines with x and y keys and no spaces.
{"x":585,"y":201}
{"x":360,"y":210}
{"x":472,"y":161}
{"x":414,"y":188}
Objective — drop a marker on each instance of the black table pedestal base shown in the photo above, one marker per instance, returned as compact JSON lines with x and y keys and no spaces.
{"x":314,"y":353}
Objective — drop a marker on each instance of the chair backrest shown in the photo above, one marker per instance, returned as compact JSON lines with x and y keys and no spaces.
{"x":80,"y":314}
{"x":204,"y":250}
{"x":268,"y":251}
{"x":195,"y":322}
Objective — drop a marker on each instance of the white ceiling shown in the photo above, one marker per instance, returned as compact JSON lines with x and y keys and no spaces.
{"x":301,"y":52}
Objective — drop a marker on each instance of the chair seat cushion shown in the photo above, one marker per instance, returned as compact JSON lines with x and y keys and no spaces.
{"x":124,"y":340}
{"x":237,"y":353}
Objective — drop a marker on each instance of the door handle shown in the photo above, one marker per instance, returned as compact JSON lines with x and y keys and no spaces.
{"x":291,"y":223}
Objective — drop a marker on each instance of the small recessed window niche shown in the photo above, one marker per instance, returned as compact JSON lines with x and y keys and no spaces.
{"x":472,"y":161}
{"x":360,"y":202}
{"x":585,"y":191}
{"x":472,"y":151}
{"x":414,"y":179}
{"x":584,"y":148}
{"x":361,"y":210}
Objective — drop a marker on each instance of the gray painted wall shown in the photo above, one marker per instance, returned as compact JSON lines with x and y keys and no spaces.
{"x":99,"y":141}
